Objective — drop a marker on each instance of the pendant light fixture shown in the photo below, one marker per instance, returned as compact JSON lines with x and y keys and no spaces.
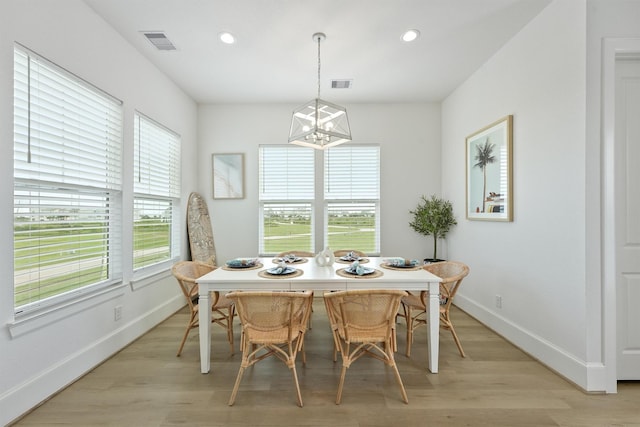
{"x":318,"y":123}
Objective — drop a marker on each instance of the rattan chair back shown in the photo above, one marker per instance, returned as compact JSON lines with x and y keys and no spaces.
{"x":273,"y":324}
{"x":452,"y":273}
{"x":363,"y":324}
{"x":186,"y":273}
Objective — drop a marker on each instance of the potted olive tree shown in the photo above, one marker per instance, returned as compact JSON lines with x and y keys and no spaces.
{"x":433,"y":217}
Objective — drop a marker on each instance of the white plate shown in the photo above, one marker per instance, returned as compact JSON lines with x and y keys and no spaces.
{"x":366,"y":270}
{"x":287,"y":270}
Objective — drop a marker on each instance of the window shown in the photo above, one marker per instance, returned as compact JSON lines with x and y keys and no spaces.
{"x":67,"y":183}
{"x":156,"y":187}
{"x":351,"y":197}
{"x":348,"y":184}
{"x":286,"y":180}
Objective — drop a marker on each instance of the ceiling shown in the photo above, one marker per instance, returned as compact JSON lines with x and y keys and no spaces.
{"x":275,"y":58}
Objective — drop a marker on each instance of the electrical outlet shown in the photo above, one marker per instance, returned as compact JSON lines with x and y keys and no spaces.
{"x":498,"y":301}
{"x":117,"y":313}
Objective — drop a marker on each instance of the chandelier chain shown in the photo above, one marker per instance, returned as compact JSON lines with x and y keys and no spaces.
{"x":319,"y":38}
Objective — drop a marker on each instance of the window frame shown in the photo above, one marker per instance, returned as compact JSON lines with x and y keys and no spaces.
{"x":149,"y":191}
{"x":320,"y":203}
{"x":51,"y":108}
{"x":303,"y":194}
{"x":375,"y":201}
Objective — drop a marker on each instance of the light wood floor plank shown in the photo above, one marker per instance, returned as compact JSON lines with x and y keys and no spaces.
{"x":496,"y":385}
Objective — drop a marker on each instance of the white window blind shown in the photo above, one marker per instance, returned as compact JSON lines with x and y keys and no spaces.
{"x":286,"y":192}
{"x":286,"y":173}
{"x":156,"y":193}
{"x":350,"y":183}
{"x":67,"y":183}
{"x":156,"y":159}
{"x":352,"y":198}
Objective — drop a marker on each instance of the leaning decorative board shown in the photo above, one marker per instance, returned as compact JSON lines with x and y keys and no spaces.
{"x":200,"y":231}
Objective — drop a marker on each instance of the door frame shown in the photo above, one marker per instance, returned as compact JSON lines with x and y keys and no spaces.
{"x":612,"y":49}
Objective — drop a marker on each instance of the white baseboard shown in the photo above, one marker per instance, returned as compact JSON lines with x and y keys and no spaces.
{"x":589,"y":377}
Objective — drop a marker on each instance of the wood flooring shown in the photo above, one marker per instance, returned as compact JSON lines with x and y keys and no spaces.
{"x":497,"y":384}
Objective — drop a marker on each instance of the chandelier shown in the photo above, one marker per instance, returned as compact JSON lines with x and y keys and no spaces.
{"x":318,"y":123}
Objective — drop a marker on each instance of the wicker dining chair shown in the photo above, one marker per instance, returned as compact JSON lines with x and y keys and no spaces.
{"x":304,"y":254}
{"x":363,"y":324}
{"x":273,"y":324}
{"x":414,"y":305}
{"x":223,"y":310}
{"x":343,"y":252}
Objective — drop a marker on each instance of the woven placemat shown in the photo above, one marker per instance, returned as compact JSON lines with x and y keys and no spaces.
{"x":393,"y":267}
{"x":343,"y":273}
{"x":267,"y":275}
{"x":300,"y":261}
{"x":361,"y":261}
{"x":258,"y":265}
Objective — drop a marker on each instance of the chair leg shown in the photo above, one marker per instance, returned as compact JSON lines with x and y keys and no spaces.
{"x":230,"y":329}
{"x":409,"y":322}
{"x":456,"y":339}
{"x":300,"y":348}
{"x":232,"y":399}
{"x":341,"y":384}
{"x":295,"y":380}
{"x":392,"y":362}
{"x":184,"y":339}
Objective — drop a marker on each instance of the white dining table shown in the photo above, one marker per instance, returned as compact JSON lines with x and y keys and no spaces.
{"x":319,"y":278}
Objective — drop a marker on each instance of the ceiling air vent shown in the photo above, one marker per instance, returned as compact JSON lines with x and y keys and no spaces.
{"x":159,"y":40}
{"x":341,"y":84}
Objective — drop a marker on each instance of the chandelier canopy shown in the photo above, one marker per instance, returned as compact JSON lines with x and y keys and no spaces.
{"x":318,"y":123}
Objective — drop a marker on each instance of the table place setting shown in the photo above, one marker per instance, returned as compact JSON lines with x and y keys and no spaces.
{"x":282,"y":271}
{"x":242,"y":264}
{"x":350,"y":257}
{"x":320,"y":276}
{"x":290,"y":259}
{"x":401,"y":264}
{"x":358,"y":271}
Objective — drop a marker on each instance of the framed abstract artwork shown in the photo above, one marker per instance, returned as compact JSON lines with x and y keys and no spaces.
{"x":228,"y":176}
{"x":489,"y":172}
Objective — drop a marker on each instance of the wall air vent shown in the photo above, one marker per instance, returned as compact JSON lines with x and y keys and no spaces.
{"x":341,"y":84}
{"x":159,"y":40}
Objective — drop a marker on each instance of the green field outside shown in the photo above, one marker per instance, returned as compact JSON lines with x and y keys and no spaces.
{"x":282,"y":236}
{"x":51,"y":244}
{"x":55,"y":244}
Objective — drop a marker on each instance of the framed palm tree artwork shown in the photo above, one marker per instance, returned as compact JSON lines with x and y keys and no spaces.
{"x":489,"y":172}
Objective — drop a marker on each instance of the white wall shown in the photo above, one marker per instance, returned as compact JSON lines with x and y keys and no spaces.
{"x":537,"y":262}
{"x":41,"y":361}
{"x":409,"y":136}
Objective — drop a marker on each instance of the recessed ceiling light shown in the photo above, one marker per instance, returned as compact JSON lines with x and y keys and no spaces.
{"x":410,"y":35}
{"x":227,"y":38}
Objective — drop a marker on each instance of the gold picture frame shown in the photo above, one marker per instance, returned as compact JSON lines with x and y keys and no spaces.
{"x":228,"y":175}
{"x":489,"y":170}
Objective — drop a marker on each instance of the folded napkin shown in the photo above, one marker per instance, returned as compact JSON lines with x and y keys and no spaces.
{"x":241,"y":262}
{"x":282,"y":266}
{"x":356,"y":268}
{"x":402,"y":262}
{"x":350,"y":257}
{"x":289,"y":258}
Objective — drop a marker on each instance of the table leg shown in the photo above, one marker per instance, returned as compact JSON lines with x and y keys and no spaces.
{"x":433,"y":326}
{"x":204,"y":330}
